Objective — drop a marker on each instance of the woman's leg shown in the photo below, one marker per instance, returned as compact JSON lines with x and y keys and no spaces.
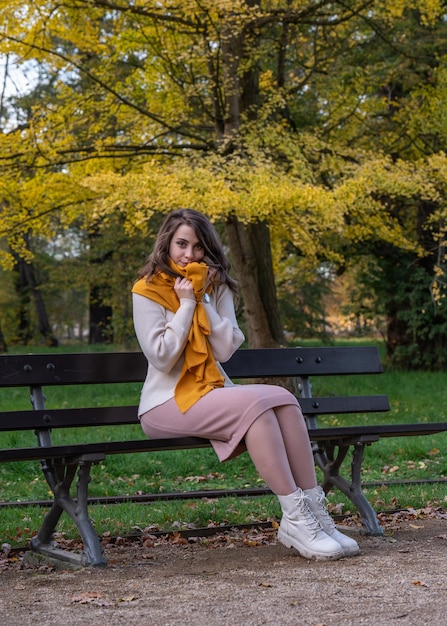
{"x":266,"y":447}
{"x":299,"y":453}
{"x":297,"y":445}
{"x":279,"y":446}
{"x":299,"y":528}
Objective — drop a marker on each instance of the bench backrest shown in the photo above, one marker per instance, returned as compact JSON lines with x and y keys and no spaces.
{"x":44,"y":370}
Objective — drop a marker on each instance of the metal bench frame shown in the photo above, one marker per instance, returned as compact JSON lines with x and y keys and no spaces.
{"x":63,"y":463}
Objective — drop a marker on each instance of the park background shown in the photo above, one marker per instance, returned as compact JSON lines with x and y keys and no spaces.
{"x":313,"y":134}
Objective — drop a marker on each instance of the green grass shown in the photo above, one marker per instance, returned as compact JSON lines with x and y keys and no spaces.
{"x":414,"y":396}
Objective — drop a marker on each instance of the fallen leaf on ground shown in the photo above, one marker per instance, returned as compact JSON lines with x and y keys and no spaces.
{"x":90,"y":597}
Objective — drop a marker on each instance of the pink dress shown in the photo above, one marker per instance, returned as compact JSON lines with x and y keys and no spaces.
{"x":223,"y":416}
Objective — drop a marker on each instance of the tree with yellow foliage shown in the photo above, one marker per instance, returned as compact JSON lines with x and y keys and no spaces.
{"x":273,"y":117}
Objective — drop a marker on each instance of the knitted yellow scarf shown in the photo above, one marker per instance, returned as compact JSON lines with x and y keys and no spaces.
{"x":200,"y":373}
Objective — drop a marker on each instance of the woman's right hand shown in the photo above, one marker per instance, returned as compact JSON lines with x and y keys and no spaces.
{"x":183,"y":289}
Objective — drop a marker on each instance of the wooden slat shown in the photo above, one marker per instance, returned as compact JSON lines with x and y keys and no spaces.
{"x":68,"y":418}
{"x":353,"y":433}
{"x":348,"y":434}
{"x":338,"y":405}
{"x":116,"y":367}
{"x":305,"y":362}
{"x":107,"y":447}
{"x":71,"y":369}
{"x":112,"y":416}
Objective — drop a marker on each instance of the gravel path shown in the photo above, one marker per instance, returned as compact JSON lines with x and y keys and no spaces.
{"x":241,"y":578}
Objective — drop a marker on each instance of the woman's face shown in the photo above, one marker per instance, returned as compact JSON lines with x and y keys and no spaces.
{"x":185,"y":246}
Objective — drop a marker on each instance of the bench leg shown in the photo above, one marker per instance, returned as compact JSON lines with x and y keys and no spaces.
{"x":60,"y":478}
{"x":367,"y":513}
{"x":92,"y":546}
{"x":330,"y":465}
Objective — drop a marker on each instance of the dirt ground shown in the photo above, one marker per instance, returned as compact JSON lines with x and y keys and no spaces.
{"x":244,"y":578}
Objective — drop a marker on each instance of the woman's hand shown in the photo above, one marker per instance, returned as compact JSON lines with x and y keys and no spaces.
{"x":183,"y":288}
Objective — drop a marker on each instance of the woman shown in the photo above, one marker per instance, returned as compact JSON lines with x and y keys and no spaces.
{"x":184,"y":316}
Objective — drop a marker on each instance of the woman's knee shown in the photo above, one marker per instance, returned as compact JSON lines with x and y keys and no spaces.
{"x":293,"y":409}
{"x":264,"y":423}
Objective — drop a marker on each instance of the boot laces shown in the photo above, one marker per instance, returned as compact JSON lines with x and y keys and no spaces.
{"x":311,"y":522}
{"x":325,"y":517}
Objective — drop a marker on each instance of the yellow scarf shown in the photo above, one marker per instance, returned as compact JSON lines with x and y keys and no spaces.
{"x":200,"y":373}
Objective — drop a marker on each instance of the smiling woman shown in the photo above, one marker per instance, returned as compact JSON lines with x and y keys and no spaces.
{"x":187,"y":392}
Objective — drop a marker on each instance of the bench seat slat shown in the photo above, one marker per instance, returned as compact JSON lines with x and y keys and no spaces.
{"x":68,"y":451}
{"x":382,"y":430}
{"x":337,"y":435}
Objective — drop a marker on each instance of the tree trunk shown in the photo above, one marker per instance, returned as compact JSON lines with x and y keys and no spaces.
{"x":251,"y":259}
{"x":100,"y":328}
{"x":26,"y":286}
{"x":43,"y":323}
{"x":3,"y":344}
{"x":249,"y":245}
{"x":100,"y":313}
{"x":24,"y":331}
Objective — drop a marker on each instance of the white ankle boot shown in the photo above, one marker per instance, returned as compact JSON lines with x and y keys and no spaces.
{"x":301,"y":530}
{"x":316,"y":502}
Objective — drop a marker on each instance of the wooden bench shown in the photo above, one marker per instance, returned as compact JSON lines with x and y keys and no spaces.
{"x":62,"y":463}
